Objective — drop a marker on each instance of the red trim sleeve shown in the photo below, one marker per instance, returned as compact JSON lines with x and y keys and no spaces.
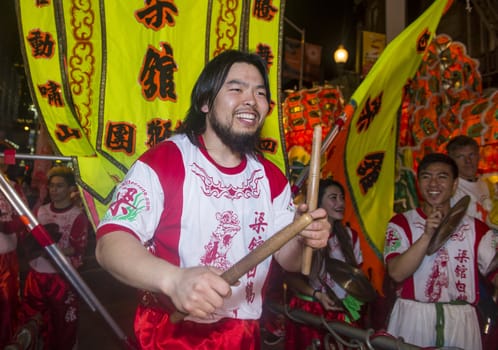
{"x":108,"y":228}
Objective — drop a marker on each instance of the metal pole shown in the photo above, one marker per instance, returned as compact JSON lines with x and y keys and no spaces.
{"x":301,"y":67}
{"x":40,"y":156}
{"x":44,"y":239}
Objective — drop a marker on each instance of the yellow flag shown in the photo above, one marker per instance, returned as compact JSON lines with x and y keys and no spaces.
{"x":112,"y":79}
{"x":370,"y":143}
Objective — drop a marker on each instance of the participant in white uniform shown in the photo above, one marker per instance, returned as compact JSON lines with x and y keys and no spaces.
{"x":438,"y":292}
{"x":46,"y":291}
{"x":204,"y":214}
{"x":194,"y":206}
{"x":465,"y":152}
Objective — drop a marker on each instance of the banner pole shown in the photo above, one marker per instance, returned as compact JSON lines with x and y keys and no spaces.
{"x":39,"y":156}
{"x":303,"y":175}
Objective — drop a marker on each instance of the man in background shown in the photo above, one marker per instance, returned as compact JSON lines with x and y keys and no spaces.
{"x":47,"y":292}
{"x":464,"y":150}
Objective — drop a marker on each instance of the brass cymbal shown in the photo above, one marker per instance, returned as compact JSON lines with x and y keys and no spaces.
{"x":448,"y":225}
{"x":351,"y":279}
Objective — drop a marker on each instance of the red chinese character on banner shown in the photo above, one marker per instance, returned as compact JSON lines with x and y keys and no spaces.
{"x":52,"y":91}
{"x":157,"y":13}
{"x":156,"y":75}
{"x":42,"y":44}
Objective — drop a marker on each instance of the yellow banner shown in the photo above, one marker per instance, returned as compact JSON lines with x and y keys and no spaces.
{"x":371,"y":145}
{"x":370,"y":142}
{"x":127,"y":71}
{"x":43,"y":60}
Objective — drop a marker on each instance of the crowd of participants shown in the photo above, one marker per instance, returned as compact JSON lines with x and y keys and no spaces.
{"x":40,"y":301}
{"x":210,"y":175}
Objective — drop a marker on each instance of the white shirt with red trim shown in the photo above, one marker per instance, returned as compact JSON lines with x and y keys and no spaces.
{"x":73,"y":226}
{"x":450,"y":273}
{"x":191,"y":211}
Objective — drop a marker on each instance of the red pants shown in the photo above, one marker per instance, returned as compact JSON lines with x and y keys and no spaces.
{"x":9,"y":296}
{"x":54,"y":299}
{"x":154,"y":331}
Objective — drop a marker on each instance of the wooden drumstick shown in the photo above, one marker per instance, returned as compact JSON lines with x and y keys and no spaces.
{"x":312,"y":191}
{"x":260,"y":253}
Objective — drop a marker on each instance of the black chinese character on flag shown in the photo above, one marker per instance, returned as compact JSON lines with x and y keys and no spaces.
{"x":369,"y":169}
{"x":371,"y":109}
{"x":156,"y":76}
{"x":264,"y":51}
{"x":158,"y":130}
{"x":52,"y":91}
{"x":64,"y":133}
{"x":156,"y":14}
{"x":121,"y":137}
{"x":264,"y":9}
{"x":42,"y":44}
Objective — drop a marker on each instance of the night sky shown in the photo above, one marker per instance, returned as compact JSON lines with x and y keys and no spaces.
{"x":326,"y":23}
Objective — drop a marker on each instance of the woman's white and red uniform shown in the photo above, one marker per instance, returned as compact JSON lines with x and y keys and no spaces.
{"x":191,"y":211}
{"x":48,"y":292}
{"x":444,"y":289}
{"x":301,"y":336}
